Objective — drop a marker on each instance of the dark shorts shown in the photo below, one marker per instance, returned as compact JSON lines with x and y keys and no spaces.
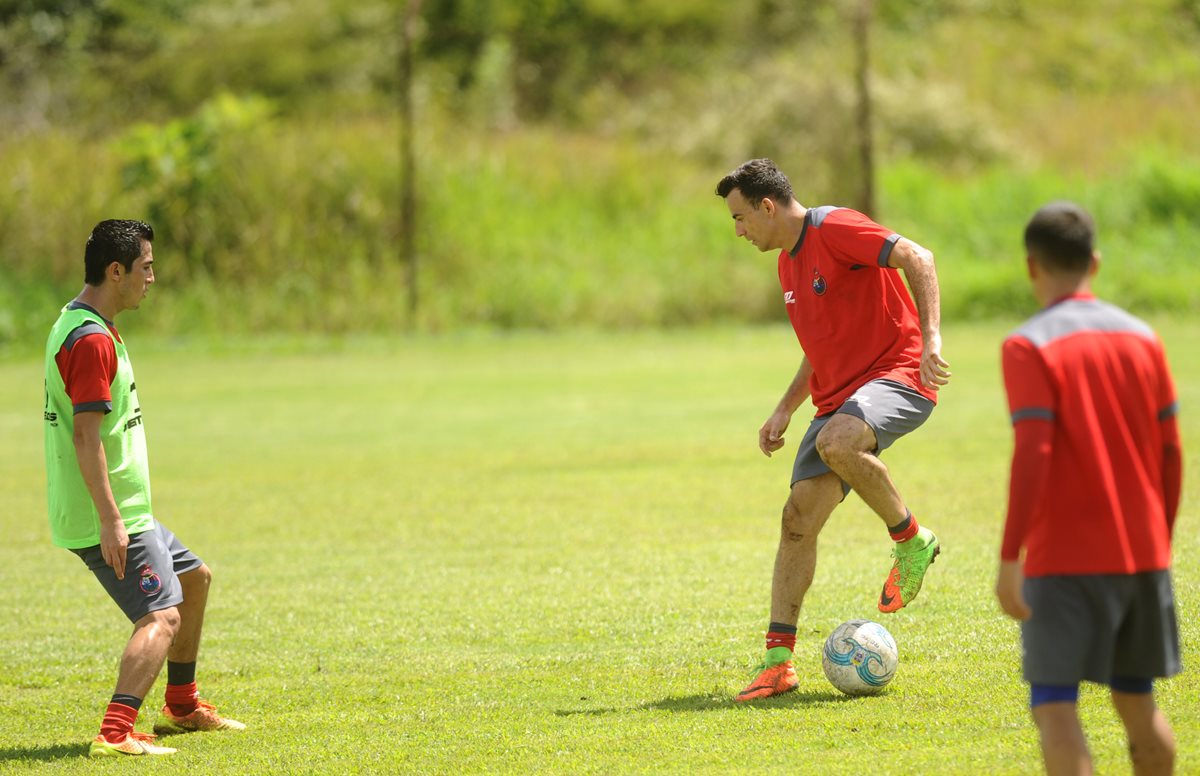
{"x":154,"y":560}
{"x":891,"y":409}
{"x":1097,"y":627}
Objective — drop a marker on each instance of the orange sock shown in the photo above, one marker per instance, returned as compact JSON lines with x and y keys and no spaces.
{"x":182,"y":698}
{"x":118,"y":722}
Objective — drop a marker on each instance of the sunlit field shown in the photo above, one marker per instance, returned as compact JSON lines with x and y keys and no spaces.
{"x":537,"y":553}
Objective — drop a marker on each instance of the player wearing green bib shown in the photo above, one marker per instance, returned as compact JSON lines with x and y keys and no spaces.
{"x":98,"y":478}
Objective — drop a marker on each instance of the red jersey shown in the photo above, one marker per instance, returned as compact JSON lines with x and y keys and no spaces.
{"x":1096,"y":467}
{"x":853,"y":315}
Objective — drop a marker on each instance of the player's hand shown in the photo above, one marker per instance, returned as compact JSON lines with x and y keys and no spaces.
{"x":114,"y":541}
{"x":935,"y":372}
{"x":1009,"y":584}
{"x":770,"y":436}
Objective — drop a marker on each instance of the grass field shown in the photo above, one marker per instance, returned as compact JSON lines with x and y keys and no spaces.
{"x":536,"y":553}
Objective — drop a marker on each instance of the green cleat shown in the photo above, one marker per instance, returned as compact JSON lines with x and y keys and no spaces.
{"x":913,"y":558}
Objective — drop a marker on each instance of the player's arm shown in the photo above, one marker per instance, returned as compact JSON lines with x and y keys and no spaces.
{"x":87,"y":367}
{"x":921,"y":273}
{"x":1031,"y":404}
{"x":93,"y":465}
{"x":770,"y":436}
{"x":1172,"y":471}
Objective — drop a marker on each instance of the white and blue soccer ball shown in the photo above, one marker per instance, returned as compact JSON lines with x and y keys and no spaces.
{"x":860,"y":657}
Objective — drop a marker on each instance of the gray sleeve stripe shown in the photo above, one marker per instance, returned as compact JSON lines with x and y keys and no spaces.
{"x":93,"y":406}
{"x":1169,"y":411}
{"x":1032,"y":413}
{"x":886,"y":250}
{"x":81,"y":331}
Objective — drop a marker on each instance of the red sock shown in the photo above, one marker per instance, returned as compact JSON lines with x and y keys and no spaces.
{"x":182,"y":698}
{"x":118,"y":722}
{"x":904,"y":530}
{"x":781,"y":635}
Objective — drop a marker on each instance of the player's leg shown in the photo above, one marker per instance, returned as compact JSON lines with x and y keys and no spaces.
{"x":195,"y":584}
{"x":145,"y":652}
{"x":1147,"y":645}
{"x":1151,"y":740}
{"x":847,"y":444}
{"x":869,"y":422}
{"x":808,"y":507}
{"x":184,"y":710}
{"x":1064,"y":747}
{"x":149,"y":601}
{"x":815,"y":492}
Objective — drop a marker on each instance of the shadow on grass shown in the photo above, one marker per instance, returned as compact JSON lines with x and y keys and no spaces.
{"x":715,"y":701}
{"x":46,"y":753}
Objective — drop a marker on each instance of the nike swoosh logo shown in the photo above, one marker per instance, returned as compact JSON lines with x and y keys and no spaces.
{"x":884,"y":598}
{"x":755,"y":688}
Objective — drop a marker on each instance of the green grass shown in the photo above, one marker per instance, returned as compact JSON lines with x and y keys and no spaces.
{"x":535,"y":553}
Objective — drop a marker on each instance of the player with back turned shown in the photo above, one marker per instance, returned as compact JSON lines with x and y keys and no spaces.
{"x":1094,"y":489}
{"x":872,"y":365}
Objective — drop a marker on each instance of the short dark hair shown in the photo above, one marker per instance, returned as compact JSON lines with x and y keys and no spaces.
{"x":757,"y":179}
{"x":1061,"y":237}
{"x":113,"y":240}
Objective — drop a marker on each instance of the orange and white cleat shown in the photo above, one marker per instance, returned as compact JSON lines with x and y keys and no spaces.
{"x":204,"y":718}
{"x":135,"y":744}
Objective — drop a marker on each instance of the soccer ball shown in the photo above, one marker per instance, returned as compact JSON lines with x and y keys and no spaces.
{"x":860,"y":657}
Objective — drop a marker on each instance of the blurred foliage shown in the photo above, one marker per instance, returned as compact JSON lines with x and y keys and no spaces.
{"x":177,"y":170}
{"x":567,"y":149}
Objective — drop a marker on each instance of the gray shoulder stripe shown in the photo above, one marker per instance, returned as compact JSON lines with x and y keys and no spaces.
{"x":817,"y":214}
{"x":1073,"y":316}
{"x":81,"y":331}
{"x":1032,"y":413}
{"x":1169,"y":411}
{"x":886,"y":250}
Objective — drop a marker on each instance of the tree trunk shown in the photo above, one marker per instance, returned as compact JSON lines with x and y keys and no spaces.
{"x":862,"y":77}
{"x":408,"y":158}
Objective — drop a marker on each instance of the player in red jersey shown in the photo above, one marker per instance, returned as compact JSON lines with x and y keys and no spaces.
{"x":1096,"y":478}
{"x":872,"y":365}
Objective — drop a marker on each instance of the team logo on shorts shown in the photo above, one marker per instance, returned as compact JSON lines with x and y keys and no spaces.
{"x":818,"y":283}
{"x":150,"y":582}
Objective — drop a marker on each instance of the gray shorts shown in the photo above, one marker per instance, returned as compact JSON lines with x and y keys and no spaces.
{"x":1098,"y":626}
{"x":891,"y":409}
{"x":154,"y":560}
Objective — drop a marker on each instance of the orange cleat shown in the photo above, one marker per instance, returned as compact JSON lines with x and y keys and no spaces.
{"x":204,"y":718}
{"x":773,"y":680}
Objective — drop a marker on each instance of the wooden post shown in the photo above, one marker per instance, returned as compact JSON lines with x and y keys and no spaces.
{"x":408,"y":158}
{"x":862,"y":77}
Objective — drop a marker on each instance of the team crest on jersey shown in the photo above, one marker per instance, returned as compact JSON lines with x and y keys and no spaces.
{"x":150,"y":582}
{"x":818,"y":283}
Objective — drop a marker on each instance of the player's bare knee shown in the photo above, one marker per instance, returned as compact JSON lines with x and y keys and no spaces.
{"x":163,"y":621}
{"x":797,"y":525}
{"x":169,"y":620}
{"x":200,"y":577}
{"x":835,"y":448}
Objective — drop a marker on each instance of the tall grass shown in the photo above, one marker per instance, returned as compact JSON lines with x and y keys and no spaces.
{"x":297,"y":231}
